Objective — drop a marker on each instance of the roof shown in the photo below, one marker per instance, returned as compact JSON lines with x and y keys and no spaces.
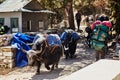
{"x":42,"y":11}
{"x":13,"y":5}
{"x":17,"y":5}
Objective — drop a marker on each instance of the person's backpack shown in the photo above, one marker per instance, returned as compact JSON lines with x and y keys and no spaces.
{"x":6,"y":28}
{"x":99,"y":37}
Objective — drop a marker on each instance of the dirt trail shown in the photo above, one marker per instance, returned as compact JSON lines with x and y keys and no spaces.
{"x":85,"y":56}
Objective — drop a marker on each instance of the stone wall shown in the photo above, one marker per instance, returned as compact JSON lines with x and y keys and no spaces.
{"x":7,"y":57}
{"x":7,"y":52}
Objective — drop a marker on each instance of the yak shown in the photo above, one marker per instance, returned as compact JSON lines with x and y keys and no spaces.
{"x":69,"y":40}
{"x":43,"y":52}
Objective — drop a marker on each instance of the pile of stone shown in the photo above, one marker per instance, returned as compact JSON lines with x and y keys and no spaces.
{"x":7,"y":57}
{"x":7,"y":52}
{"x":5,"y":39}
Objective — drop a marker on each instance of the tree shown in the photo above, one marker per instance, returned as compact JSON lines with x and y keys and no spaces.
{"x":101,"y":5}
{"x":91,"y":7}
{"x":115,"y":5}
{"x":56,"y":5}
{"x":69,"y":10}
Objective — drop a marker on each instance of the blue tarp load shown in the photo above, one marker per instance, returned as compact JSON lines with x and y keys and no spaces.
{"x":19,"y":40}
{"x":53,"y":39}
{"x":74,"y":35}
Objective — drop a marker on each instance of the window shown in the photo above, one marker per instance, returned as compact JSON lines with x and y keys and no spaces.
{"x":41,"y":24}
{"x":14,"y":24}
{"x":29,"y":25}
{"x":2,"y":20}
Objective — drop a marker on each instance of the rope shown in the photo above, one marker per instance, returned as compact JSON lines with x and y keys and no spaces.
{"x":54,"y":48}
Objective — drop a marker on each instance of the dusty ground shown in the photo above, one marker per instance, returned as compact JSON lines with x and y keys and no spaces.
{"x":85,"y":56}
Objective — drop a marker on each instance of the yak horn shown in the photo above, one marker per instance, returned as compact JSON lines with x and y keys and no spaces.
{"x":23,"y":50}
{"x":31,"y":53}
{"x":38,"y":52}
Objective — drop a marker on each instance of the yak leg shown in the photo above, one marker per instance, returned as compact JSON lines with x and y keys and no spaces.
{"x":56,"y":65}
{"x":38,"y":67}
{"x":72,"y":49}
{"x":47,"y":66}
{"x":52,"y":68}
{"x":66,"y":52}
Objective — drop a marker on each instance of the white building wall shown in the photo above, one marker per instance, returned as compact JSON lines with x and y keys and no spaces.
{"x":9,"y":15}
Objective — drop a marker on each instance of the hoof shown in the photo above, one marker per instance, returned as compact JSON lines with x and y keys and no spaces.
{"x":52,"y":69}
{"x":73,"y":56}
{"x":37,"y":73}
{"x":56,"y":66}
{"x":48,"y":68}
{"x":66,"y":57}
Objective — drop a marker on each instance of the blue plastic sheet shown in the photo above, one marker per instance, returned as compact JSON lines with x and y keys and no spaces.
{"x":25,"y":38}
{"x":53,"y":39}
{"x":63,"y":37}
{"x":74,"y":34}
{"x":19,"y":40}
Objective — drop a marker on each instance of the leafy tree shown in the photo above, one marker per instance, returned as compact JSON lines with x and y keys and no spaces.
{"x":101,"y":5}
{"x":87,"y":7}
{"x":55,"y":6}
{"x":60,"y":7}
{"x":69,"y":10}
{"x":115,"y":5}
{"x":65,"y":7}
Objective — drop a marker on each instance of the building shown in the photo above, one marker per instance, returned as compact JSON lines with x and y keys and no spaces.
{"x":23,"y":15}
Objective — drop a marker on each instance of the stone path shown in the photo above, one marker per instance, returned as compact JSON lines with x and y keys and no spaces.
{"x":85,"y":56}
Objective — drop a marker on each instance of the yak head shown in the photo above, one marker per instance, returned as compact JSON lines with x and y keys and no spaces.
{"x":36,"y":51}
{"x":31,"y":55}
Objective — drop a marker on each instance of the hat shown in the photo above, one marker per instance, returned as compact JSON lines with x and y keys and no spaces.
{"x":95,"y":23}
{"x":107,"y":23}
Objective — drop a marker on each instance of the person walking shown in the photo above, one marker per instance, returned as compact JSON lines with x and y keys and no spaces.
{"x":2,"y":29}
{"x":78,"y":19}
